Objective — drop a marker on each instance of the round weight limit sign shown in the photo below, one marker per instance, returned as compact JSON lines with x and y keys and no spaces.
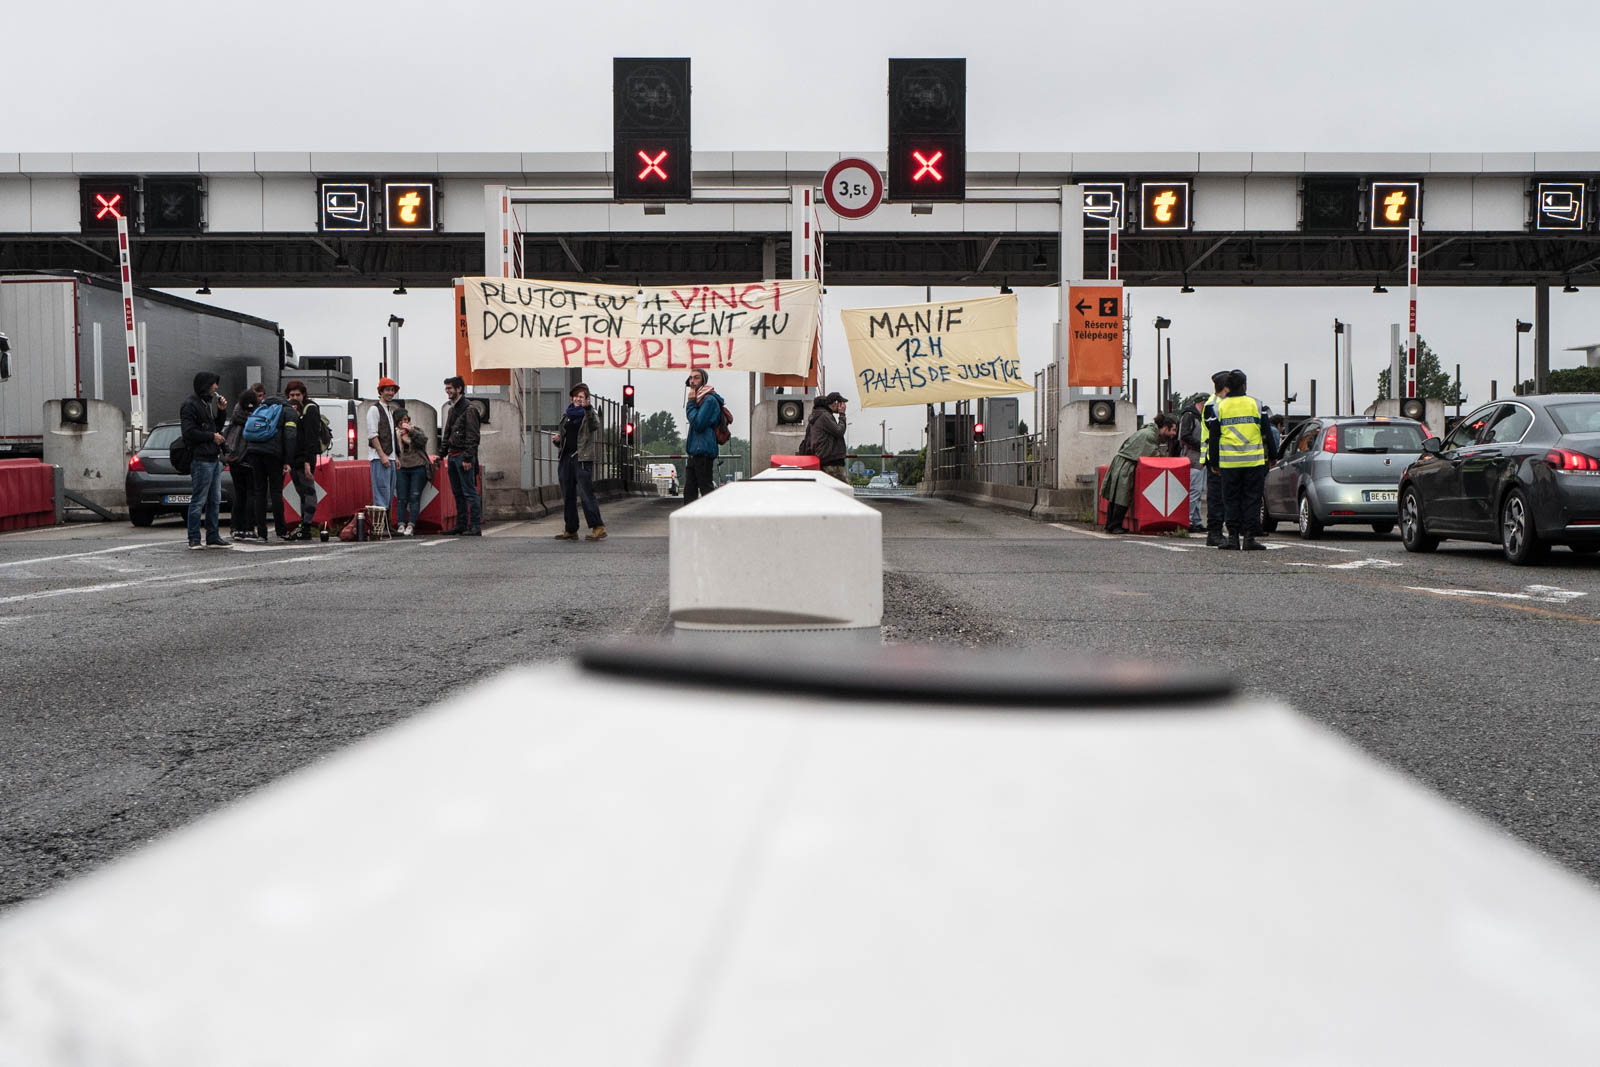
{"x":853,"y":188}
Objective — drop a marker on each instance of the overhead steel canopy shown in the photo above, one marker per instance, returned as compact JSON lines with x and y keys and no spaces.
{"x":264,"y":218}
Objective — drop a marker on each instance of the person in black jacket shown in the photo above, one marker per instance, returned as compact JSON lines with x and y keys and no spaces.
{"x":269,"y":462}
{"x":825,"y":434}
{"x":200,"y":420}
{"x":459,"y":443}
{"x":233,"y":454}
{"x":303,"y":464}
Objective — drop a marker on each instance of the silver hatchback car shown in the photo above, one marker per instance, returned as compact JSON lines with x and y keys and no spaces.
{"x":1344,"y":469}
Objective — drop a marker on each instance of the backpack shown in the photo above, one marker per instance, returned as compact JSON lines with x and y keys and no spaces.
{"x":262,"y":425}
{"x":324,"y":431}
{"x":181,"y":455}
{"x":806,"y":447}
{"x":723,"y":422}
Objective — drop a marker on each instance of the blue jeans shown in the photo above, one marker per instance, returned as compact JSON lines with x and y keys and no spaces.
{"x":577,"y":486}
{"x":205,"y":498}
{"x":408,"y":499}
{"x":1197,"y":489}
{"x":382,"y":483}
{"x":464,"y":484}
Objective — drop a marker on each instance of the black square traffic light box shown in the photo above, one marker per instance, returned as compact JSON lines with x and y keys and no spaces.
{"x":927,"y":129}
{"x":172,"y":205}
{"x":104,"y":201}
{"x":650,"y":129}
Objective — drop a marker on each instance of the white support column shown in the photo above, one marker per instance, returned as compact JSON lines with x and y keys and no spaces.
{"x":496,"y":231}
{"x":1071,"y":271}
{"x":1414,"y":239}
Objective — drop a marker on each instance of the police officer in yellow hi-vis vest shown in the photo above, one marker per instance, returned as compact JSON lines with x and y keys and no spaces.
{"x":1213,"y":477}
{"x":1240,"y":445}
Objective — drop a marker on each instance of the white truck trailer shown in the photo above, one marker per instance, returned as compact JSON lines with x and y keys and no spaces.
{"x":66,"y":337}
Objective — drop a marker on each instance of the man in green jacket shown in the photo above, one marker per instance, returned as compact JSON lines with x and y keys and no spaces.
{"x":1118,"y":486}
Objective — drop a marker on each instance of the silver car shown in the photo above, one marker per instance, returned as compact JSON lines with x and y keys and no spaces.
{"x":1344,"y":469}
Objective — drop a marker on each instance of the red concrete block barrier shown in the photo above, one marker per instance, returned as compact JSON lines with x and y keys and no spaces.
{"x":344,"y":487}
{"x":808,"y":463}
{"x":27,"y":494}
{"x":1160,"y":495}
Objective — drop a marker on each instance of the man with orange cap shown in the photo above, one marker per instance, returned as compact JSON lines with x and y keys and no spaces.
{"x":381,"y":439}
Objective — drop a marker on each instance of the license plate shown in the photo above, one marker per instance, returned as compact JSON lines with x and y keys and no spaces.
{"x":175,"y":498}
{"x":1375,"y":495}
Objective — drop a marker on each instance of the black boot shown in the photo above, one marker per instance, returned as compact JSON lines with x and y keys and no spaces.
{"x":1230,"y":543}
{"x":1252,"y":545}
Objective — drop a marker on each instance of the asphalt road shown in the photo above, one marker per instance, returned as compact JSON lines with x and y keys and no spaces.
{"x":145,"y":684}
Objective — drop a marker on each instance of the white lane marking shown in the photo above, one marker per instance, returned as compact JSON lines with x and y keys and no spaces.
{"x":1353,"y":565}
{"x":503,"y":530}
{"x":81,"y":555}
{"x":1155,"y":544}
{"x":1315,"y":548}
{"x":1127,"y":539}
{"x":1085,"y":533}
{"x":1545,"y":594}
{"x":180,"y":578}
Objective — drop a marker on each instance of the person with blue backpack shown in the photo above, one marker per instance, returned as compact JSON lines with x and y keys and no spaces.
{"x":271,"y":439}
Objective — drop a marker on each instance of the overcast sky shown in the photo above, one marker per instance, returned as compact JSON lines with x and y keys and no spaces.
{"x":1242,"y":75}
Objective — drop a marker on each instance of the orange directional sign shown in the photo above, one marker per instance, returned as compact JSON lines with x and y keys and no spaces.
{"x":1094,"y":336}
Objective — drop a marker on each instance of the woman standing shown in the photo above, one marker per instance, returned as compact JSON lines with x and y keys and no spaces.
{"x":243,"y":520}
{"x":415,"y":468}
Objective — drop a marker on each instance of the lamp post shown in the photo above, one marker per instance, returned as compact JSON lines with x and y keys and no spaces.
{"x":1338,"y":331}
{"x":1516,"y":376}
{"x":393,"y":356}
{"x":1162,"y":323}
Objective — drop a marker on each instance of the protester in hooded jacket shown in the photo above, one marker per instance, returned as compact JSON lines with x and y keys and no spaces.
{"x":200,"y":421}
{"x":703,"y":409}
{"x":242,"y":521}
{"x":269,"y":465}
{"x":825,"y":434}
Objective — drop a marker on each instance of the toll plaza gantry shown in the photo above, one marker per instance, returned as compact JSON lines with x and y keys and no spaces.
{"x":270,"y":219}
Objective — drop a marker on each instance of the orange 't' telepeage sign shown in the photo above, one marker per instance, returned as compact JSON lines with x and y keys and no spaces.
{"x":1094,"y":336}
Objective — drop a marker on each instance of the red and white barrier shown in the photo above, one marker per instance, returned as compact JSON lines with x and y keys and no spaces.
{"x":27,"y":494}
{"x":1160,"y":495}
{"x":344,"y":486}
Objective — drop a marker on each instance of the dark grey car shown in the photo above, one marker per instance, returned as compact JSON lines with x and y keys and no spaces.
{"x":1343,"y":469}
{"x":1524,"y":472}
{"x":154,"y":488}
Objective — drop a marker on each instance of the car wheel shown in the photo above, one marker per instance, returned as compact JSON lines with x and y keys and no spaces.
{"x":141,"y":516}
{"x":1268,"y":523}
{"x":1517,"y":536}
{"x":1382,"y":528}
{"x":1412,"y":533}
{"x":1310,"y":528}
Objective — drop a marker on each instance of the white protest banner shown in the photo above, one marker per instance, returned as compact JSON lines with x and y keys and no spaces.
{"x":747,"y":326}
{"x":927,"y":353}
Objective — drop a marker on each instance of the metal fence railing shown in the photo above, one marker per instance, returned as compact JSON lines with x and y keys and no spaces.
{"x":1020,"y":460}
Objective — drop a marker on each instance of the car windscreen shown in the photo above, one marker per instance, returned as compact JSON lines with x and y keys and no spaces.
{"x":1580,"y":417}
{"x":1380,"y":437}
{"x":161,"y":438}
